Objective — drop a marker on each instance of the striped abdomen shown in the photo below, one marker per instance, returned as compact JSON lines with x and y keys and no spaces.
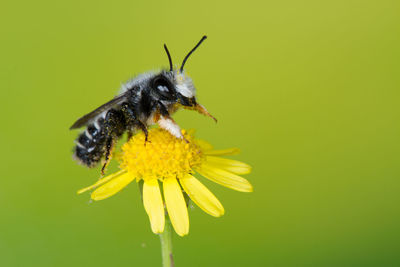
{"x":90,"y":144}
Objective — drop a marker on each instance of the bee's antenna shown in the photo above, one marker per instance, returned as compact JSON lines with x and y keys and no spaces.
{"x":169,"y":57}
{"x":191,"y":51}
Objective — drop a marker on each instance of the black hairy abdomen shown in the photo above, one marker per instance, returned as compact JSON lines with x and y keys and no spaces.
{"x":91,"y":144}
{"x":96,"y":142}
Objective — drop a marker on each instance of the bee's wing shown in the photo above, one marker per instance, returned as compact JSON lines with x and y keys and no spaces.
{"x":85,"y":119}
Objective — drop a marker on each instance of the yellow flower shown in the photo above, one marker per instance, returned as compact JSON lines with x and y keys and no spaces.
{"x":172,"y":162}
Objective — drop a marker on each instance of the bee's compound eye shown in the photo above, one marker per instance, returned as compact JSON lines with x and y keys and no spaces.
{"x":161,"y":84}
{"x":163,"y":87}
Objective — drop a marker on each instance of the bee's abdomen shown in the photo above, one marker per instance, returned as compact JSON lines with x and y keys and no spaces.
{"x":90,"y":144}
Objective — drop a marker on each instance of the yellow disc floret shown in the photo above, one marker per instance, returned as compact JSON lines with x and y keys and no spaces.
{"x":162,"y":156}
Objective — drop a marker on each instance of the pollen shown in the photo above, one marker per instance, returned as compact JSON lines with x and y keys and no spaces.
{"x":162,"y":156}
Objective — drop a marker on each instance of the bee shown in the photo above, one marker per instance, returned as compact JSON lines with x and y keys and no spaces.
{"x":149,"y":98}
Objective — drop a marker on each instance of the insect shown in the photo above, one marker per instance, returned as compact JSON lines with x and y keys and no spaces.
{"x":149,"y":98}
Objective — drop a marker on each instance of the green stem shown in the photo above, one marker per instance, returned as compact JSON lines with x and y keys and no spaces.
{"x":166,"y":245}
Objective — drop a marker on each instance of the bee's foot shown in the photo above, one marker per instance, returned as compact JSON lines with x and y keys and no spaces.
{"x":146,"y":141}
{"x":103,"y":169}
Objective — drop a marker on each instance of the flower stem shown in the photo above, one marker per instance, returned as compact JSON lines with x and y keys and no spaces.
{"x":166,"y":245}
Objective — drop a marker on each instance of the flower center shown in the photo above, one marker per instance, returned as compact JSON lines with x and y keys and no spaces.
{"x":162,"y":156}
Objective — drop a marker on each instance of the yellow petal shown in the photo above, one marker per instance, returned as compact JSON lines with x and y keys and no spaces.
{"x":190,"y":131}
{"x":204,"y":145}
{"x":153,"y":205}
{"x":229,"y":151}
{"x":176,"y":206}
{"x":102,"y":181}
{"x":225,"y":178}
{"x":234,"y":166}
{"x":112,"y":187}
{"x":202,"y":196}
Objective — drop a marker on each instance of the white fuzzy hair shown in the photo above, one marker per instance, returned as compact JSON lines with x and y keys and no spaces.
{"x":137,"y":80}
{"x":184,"y":84}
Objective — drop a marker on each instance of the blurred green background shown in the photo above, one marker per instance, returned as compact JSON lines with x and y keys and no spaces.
{"x":309,"y":90}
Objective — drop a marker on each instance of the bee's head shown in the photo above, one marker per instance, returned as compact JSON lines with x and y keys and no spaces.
{"x":185,"y":91}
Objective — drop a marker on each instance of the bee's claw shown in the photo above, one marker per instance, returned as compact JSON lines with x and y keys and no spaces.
{"x":103,"y":169}
{"x":146,"y":141}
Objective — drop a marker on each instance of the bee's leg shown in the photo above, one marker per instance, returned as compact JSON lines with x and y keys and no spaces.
{"x":114,"y":127}
{"x":109,"y":149}
{"x":167,"y":123}
{"x":132,"y":120}
{"x":130,"y":134}
{"x":163,"y":110}
{"x":129,"y":114}
{"x":144,"y":129}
